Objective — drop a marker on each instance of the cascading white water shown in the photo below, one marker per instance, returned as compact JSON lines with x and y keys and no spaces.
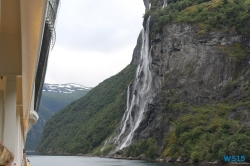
{"x":165,"y":4}
{"x":140,"y":92}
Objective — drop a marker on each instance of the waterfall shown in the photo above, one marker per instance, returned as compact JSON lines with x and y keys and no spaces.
{"x":138,"y":95}
{"x":165,"y":4}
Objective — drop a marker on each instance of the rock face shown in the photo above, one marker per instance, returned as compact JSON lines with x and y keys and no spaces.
{"x":196,"y":70}
{"x":137,"y":51}
{"x":146,"y":4}
{"x":196,"y":66}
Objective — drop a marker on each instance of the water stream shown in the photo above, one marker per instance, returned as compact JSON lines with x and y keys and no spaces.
{"x":165,"y":4}
{"x":138,"y":94}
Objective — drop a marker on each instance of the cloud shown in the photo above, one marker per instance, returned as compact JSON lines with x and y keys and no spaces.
{"x":95,"y":40}
{"x":86,"y":68}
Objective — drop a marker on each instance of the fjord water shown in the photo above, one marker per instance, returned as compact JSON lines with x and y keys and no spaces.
{"x":42,"y":160}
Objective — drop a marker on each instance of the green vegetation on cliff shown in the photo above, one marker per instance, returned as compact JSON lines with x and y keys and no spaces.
{"x":145,"y":148}
{"x":211,"y":15}
{"x":87,"y":122}
{"x":206,"y":132}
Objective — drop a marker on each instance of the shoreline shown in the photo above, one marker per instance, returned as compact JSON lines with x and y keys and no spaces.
{"x":168,"y":160}
{"x":159,"y":160}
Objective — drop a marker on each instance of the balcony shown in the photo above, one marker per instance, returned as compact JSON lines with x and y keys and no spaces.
{"x":51,"y":18}
{"x":49,"y":38}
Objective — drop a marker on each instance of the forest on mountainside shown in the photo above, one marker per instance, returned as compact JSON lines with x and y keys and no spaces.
{"x":51,"y":103}
{"x":84,"y":124}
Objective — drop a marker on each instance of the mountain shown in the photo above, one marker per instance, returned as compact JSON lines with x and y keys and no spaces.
{"x":54,"y":98}
{"x":184,"y":97}
{"x":64,"y":88}
{"x":90,"y":119}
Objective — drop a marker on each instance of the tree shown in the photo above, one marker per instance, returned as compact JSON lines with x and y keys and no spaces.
{"x":233,"y":149}
{"x":195,"y":157}
{"x":221,"y":155}
{"x":217,"y":146}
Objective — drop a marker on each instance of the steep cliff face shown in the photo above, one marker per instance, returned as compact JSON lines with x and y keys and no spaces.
{"x":199,"y":67}
{"x":147,"y":4}
{"x":199,"y":94}
{"x":196,"y":70}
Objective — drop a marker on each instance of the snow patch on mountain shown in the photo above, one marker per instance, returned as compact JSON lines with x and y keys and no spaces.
{"x":64,"y":88}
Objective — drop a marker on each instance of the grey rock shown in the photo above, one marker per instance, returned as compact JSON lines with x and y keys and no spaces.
{"x":193,"y":69}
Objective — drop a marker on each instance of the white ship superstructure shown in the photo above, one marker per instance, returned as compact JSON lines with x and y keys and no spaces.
{"x":26,"y":37}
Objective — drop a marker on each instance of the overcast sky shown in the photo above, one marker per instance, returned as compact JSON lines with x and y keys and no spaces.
{"x":94,"y":40}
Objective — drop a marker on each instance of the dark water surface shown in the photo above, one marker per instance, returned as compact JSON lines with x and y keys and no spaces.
{"x":41,"y":160}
